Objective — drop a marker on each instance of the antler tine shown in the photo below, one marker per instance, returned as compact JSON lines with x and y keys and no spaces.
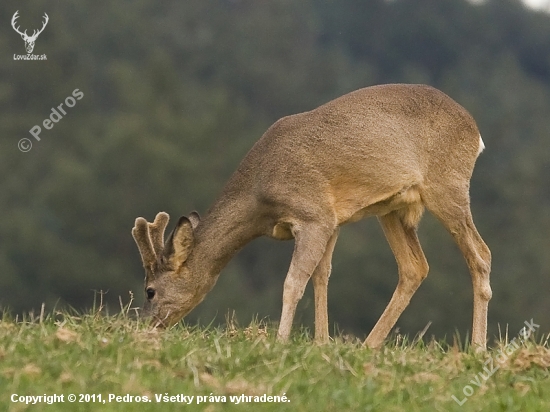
{"x":46,"y":20}
{"x":14,"y":18}
{"x":14,"y":22}
{"x":156,"y":231}
{"x":141,"y":235}
{"x":35,"y":33}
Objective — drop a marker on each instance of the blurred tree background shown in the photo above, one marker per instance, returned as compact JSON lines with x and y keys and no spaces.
{"x":175,"y":93}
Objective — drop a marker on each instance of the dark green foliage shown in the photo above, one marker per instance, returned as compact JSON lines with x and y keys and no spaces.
{"x":175,"y":93}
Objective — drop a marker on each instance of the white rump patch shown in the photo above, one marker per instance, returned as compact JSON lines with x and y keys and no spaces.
{"x":481,"y":146}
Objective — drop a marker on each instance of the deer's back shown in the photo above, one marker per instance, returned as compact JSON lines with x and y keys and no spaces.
{"x":363,"y":147}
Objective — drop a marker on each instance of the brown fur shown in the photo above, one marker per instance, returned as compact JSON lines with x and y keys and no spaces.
{"x":387,"y":151}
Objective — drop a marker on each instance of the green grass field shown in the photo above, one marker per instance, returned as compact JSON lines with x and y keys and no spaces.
{"x":244,"y":368}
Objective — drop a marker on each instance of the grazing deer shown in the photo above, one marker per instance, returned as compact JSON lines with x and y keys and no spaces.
{"x":29,"y":40}
{"x":387,"y":151}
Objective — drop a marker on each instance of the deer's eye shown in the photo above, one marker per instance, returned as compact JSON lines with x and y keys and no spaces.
{"x":150,"y":292}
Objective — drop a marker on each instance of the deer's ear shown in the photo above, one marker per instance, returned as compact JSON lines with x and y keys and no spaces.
{"x":195,"y":219}
{"x":179,"y":244}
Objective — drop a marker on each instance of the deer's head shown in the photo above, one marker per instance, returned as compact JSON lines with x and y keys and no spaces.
{"x":171,"y":291}
{"x":29,"y":40}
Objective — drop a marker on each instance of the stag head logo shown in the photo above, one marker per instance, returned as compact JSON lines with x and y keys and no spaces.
{"x":29,"y":40}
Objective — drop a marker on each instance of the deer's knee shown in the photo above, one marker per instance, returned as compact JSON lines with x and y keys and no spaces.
{"x":412,"y":276}
{"x":480,"y":270}
{"x":482,"y":284}
{"x":422,"y":269}
{"x":484,"y":292}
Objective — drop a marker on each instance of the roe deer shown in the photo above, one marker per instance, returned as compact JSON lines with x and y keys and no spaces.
{"x":385,"y":151}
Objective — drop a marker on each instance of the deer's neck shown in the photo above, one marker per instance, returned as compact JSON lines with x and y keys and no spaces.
{"x":226,"y":228}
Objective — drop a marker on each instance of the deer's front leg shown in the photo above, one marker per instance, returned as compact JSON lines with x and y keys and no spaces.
{"x":311,"y":243}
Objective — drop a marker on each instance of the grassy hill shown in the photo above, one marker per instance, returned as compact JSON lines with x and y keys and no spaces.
{"x":118,"y":361}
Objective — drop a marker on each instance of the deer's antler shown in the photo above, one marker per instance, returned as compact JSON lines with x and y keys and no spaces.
{"x":13,"y":22}
{"x":37,"y":32}
{"x":156,"y":231}
{"x":149,"y":238}
{"x":24,"y":34}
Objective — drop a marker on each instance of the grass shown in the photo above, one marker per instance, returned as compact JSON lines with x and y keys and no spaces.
{"x":70,"y":353}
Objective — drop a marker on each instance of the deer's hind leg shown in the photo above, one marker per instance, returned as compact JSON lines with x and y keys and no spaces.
{"x":452,"y":208}
{"x":400,"y":229}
